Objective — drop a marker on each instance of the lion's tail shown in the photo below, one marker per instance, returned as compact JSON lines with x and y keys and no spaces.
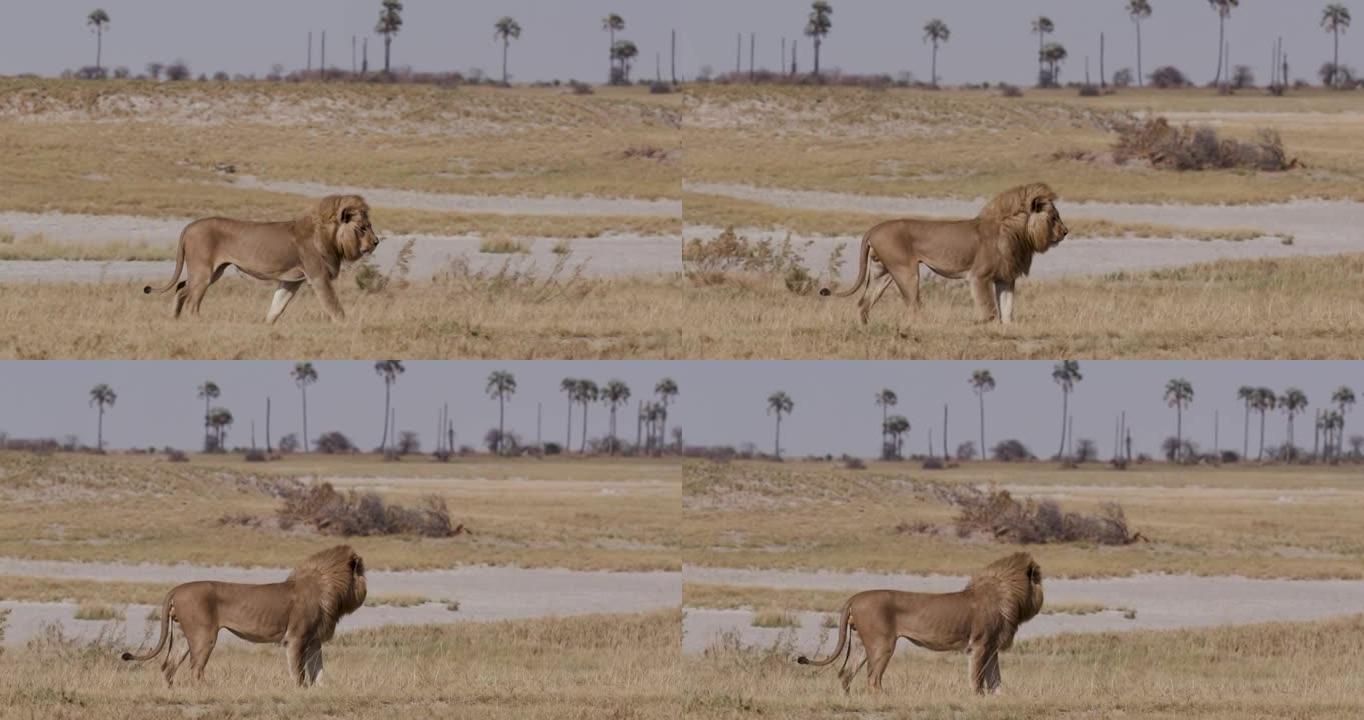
{"x":863,"y":254}
{"x":842,"y":639}
{"x":179,"y":265}
{"x":165,"y":631}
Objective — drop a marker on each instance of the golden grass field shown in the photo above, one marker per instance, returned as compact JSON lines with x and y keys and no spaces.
{"x":972,"y":143}
{"x":621,"y":666}
{"x":1298,"y":308}
{"x":522,"y":513}
{"x":1255,"y":521}
{"x":1292,"y":670}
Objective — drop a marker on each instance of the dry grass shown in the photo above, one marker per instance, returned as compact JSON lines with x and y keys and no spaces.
{"x":720,"y":211}
{"x":1202,"y":521}
{"x":497,"y":314}
{"x":774,"y":618}
{"x":1260,"y":671}
{"x":585,"y":667}
{"x":787,"y":600}
{"x":98,"y":611}
{"x":969,"y":144}
{"x":1304,"y":308}
{"x":42,"y":589}
{"x":39,"y":247}
{"x":502,"y":244}
{"x":74,"y":508}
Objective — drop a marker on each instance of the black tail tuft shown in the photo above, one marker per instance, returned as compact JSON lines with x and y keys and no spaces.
{"x":802,"y":660}
{"x":147,"y":289}
{"x":825,"y":292}
{"x":127,"y":656}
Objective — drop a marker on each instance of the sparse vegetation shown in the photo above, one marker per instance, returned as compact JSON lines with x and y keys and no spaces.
{"x":364,"y":513}
{"x":503,"y":244}
{"x":773,"y":618}
{"x":1162,"y":145}
{"x":98,"y":611}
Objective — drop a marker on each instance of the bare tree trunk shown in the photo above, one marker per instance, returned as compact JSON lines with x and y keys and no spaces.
{"x":934,"y":82}
{"x":1221,"y":35}
{"x":981,"y":397}
{"x":505,"y":44}
{"x":501,"y":415}
{"x":388,"y":42}
{"x":383,"y":444}
{"x":322,"y":67}
{"x":1140,"y":82}
{"x":1065,"y":401}
{"x":944,"y":432}
{"x":269,"y":448}
{"x":817,"y":44}
{"x":99,"y":47}
{"x":568,"y":438}
{"x":310,"y":52}
{"x":776,"y":444}
{"x":1103,"y":81}
{"x":672,"y":52}
{"x":304,"y":389}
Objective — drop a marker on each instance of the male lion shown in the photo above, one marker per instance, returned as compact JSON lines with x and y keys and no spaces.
{"x":310,"y":248}
{"x":994,"y":248}
{"x":981,"y":620}
{"x":300,"y":612}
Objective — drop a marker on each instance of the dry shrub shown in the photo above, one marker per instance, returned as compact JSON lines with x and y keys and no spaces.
{"x":176,"y":456}
{"x":364,"y":513}
{"x":730,"y":256}
{"x":647,"y":152}
{"x":1010,"y":91}
{"x":519,"y":279}
{"x":580,"y":88}
{"x":1162,"y":145}
{"x":998,"y":515}
{"x":502,"y":244}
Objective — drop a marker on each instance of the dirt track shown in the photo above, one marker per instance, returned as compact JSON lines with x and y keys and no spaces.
{"x":1161,"y":602}
{"x":484,"y":594}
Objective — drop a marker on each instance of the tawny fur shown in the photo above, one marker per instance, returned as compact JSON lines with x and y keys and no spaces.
{"x":310,"y":248}
{"x":980,"y":620}
{"x":300,"y":613}
{"x":991,"y":250}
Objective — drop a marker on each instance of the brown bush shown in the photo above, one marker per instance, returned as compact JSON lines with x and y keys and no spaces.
{"x":1166,"y":146}
{"x":719,"y":261}
{"x":364,"y":513}
{"x":1003,"y":518}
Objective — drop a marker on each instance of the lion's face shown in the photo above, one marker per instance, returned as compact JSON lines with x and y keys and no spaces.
{"x":354,"y":233}
{"x":1045,"y":228}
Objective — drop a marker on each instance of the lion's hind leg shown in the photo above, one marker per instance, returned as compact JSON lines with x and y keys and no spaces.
{"x":201,"y":642}
{"x":181,"y":294}
{"x":848,"y":672}
{"x":907,"y":280}
{"x":199,"y":284}
{"x":872,"y":295}
{"x":879,"y":652}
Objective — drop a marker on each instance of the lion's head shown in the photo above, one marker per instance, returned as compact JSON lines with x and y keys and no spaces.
{"x":343,"y":221}
{"x":1016,"y":583}
{"x":335,"y":578}
{"x":1026,"y":218}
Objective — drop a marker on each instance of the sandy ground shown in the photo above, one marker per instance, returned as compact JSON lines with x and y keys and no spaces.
{"x":491,"y":204}
{"x":1318,"y":227}
{"x":605,"y":256}
{"x":483,"y":593}
{"x":1162,"y":602}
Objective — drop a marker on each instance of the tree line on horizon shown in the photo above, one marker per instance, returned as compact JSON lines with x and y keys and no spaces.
{"x":651,"y":421}
{"x":1329,"y":440}
{"x":622,"y":55}
{"x":1051,"y":55}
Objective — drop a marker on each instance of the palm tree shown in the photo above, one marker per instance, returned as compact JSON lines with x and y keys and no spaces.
{"x":569,"y":386}
{"x":1344,"y":398}
{"x":1178,"y":394}
{"x":1054,"y":54}
{"x":1332,"y":423}
{"x":390,"y":22}
{"x":586,"y":393}
{"x":221,"y":419}
{"x":818,"y":28}
{"x":501,"y":385}
{"x":98,"y":19}
{"x":982,"y":382}
{"x":896,"y":426}
{"x":1223,"y":10}
{"x":1246,"y":394}
{"x":389,"y":370}
{"x":208,"y":391}
{"x":625,"y":52}
{"x":1292,"y":402}
{"x":936,"y":32}
{"x":506,"y":29}
{"x":1041,"y":27}
{"x":1262,"y":402}
{"x":778,"y":403}
{"x":304,"y":375}
{"x":612,"y":23}
{"x":101,"y":395}
{"x":613,"y":395}
{"x":1335,"y":18}
{"x":1139,"y":10}
{"x":886,"y":399}
{"x":1065,"y":373}
{"x":666,"y":390}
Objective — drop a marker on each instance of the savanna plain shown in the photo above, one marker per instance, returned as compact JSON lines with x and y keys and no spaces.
{"x":1172,"y":590}
{"x":528,"y":588}
{"x":522,"y":222}
{"x":1166,"y":258}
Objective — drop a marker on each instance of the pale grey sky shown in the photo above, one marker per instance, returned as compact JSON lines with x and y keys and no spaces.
{"x":559,"y":38}
{"x":991,"y":38}
{"x":720,"y":402}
